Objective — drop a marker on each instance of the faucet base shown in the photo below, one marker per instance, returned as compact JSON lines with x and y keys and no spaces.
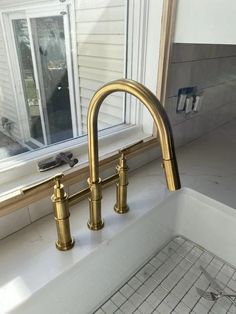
{"x":122,"y":210}
{"x":93,"y":226}
{"x":65,"y":246}
{"x":95,"y":217}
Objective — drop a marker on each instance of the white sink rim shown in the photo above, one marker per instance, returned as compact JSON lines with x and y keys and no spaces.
{"x":94,"y":276}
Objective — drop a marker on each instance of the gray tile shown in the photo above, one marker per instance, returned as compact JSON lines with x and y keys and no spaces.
{"x":190,"y":52}
{"x":118,"y":299}
{"x":109,"y":307}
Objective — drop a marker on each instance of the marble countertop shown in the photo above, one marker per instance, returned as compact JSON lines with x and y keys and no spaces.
{"x":208,"y":165}
{"x":29,"y":259}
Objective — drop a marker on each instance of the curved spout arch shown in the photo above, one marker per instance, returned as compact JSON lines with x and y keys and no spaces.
{"x":159,"y":116}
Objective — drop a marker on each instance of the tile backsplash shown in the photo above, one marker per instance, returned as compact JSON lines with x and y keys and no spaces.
{"x":212,"y":69}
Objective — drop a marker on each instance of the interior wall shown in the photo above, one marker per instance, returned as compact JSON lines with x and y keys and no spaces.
{"x":209,"y":22}
{"x":212,"y":69}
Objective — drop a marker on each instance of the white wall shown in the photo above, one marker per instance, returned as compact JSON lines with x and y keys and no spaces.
{"x":206,"y":21}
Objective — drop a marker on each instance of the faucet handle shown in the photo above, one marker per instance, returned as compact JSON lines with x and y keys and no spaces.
{"x":121,"y":206}
{"x":57,"y":179}
{"x":58,"y":190}
{"x":129,"y":148}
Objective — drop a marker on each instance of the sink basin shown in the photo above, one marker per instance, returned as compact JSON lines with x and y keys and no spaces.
{"x":187,"y":213}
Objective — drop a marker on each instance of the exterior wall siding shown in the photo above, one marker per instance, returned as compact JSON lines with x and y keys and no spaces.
{"x":7,"y":99}
{"x":101,"y":49}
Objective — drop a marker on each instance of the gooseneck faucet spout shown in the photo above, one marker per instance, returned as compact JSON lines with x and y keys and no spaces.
{"x":163,"y":126}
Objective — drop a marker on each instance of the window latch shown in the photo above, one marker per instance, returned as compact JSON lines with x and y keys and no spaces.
{"x":56,"y":161}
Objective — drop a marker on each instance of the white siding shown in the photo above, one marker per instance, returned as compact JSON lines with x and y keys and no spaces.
{"x":96,"y":4}
{"x":100,"y":28}
{"x":14,"y":3}
{"x":7,"y":100}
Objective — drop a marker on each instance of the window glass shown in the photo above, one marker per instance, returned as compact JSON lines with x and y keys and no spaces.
{"x":27,"y":78}
{"x":49,"y":40}
{"x":46,"y":84}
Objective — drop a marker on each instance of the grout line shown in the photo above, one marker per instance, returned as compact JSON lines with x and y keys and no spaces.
{"x":213,"y":289}
{"x":182,"y":278}
{"x":212,"y":85}
{"x":203,"y":59}
{"x":173,"y":248}
{"x":226,"y":286}
{"x":134,"y":275}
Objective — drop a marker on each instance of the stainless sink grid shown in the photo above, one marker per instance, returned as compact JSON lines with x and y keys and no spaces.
{"x":167,"y":283}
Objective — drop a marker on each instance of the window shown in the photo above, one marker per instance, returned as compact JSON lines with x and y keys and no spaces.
{"x":45,"y":79}
{"x":52,"y":90}
{"x":53,"y":56}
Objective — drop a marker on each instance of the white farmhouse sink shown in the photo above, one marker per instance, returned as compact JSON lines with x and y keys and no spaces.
{"x":84,"y":286}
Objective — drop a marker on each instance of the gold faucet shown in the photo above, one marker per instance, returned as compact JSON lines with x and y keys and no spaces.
{"x":60,"y":201}
{"x":166,"y":140}
{"x":121,"y":206}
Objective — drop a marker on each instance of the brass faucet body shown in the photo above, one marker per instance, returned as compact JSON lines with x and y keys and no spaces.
{"x":121,"y":206}
{"x":95,"y":201}
{"x":61,"y":201}
{"x":61,"y":204}
{"x":61,"y":213}
{"x":163,"y":126}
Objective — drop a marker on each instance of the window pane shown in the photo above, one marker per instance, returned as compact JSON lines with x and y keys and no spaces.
{"x":27,"y":77}
{"x":56,"y":72}
{"x":49,"y":41}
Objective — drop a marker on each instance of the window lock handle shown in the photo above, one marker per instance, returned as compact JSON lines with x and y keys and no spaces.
{"x":56,"y":161}
{"x":67,"y":158}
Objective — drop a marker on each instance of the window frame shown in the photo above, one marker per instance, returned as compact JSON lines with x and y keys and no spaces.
{"x":140,"y":121}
